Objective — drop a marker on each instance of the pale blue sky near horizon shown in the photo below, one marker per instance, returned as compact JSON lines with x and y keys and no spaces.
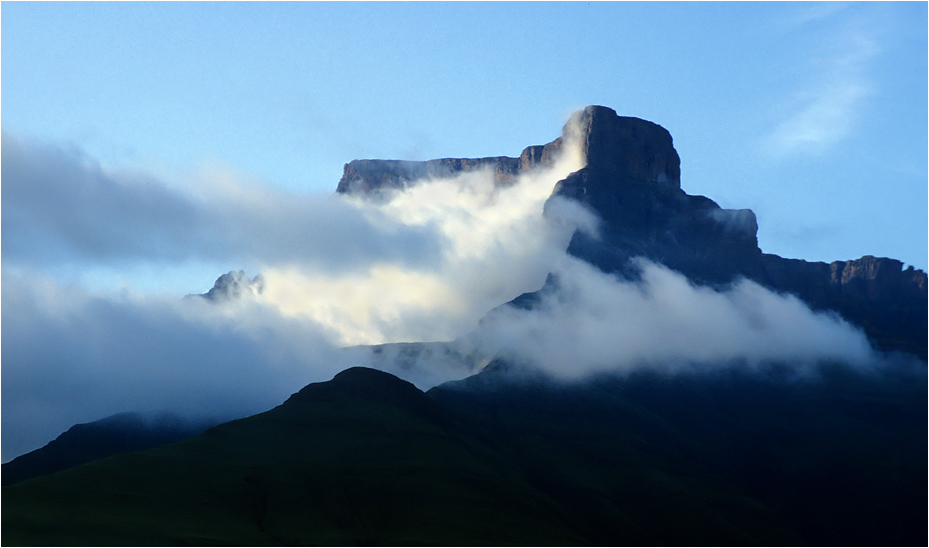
{"x":814,"y":115}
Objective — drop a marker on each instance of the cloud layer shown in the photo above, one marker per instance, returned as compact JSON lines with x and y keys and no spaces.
{"x":71,"y":356}
{"x":497,"y":245}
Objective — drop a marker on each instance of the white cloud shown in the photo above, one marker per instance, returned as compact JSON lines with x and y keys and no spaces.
{"x":336,"y":272}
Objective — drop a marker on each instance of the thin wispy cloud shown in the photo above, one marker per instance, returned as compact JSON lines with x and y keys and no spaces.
{"x":827,"y":108}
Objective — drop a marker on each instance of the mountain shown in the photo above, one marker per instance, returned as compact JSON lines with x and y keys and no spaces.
{"x":632,"y":181}
{"x":363,"y":459}
{"x":838,"y":459}
{"x":887,"y":301}
{"x":508,"y":459}
{"x":732,"y":455}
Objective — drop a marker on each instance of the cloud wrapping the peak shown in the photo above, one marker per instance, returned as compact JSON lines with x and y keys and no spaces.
{"x":497,"y":244}
{"x":425,"y":263}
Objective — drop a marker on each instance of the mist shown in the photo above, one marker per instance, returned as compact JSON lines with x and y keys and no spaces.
{"x":497,"y":244}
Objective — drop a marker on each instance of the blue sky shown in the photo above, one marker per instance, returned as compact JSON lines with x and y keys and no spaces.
{"x":150,"y":147}
{"x":812,"y":114}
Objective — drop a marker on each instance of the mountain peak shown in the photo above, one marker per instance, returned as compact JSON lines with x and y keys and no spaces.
{"x":631,"y":147}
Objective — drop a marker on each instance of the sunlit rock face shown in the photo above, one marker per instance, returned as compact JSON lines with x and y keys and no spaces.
{"x":372,"y":176}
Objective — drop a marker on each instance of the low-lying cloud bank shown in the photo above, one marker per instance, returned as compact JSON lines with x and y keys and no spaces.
{"x":498,"y":245}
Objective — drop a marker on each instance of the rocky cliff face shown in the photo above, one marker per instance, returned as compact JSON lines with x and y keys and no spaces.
{"x":365,"y":176}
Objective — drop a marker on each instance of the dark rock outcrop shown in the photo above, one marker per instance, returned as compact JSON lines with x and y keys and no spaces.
{"x":365,"y":176}
{"x":633,"y":182}
{"x":631,"y":148}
